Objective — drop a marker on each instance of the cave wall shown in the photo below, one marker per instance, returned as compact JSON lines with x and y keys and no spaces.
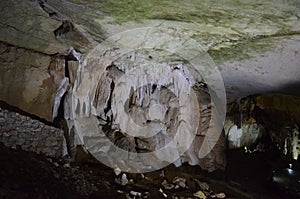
{"x":253,"y":118}
{"x":35,"y":41}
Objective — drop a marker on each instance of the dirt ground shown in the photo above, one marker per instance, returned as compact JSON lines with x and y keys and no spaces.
{"x":29,"y":175}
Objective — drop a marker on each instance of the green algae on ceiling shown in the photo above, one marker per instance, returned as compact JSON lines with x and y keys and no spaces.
{"x":243,"y":50}
{"x":216,"y":24}
{"x":195,"y":11}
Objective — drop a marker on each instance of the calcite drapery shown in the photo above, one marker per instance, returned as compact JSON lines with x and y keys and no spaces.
{"x":143,"y":108}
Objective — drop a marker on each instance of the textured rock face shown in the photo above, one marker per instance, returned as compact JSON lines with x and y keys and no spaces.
{"x":37,"y":26}
{"x":30,"y":135}
{"x":25,"y":24}
{"x":34,"y":43}
{"x":25,"y":81}
{"x":27,"y":46}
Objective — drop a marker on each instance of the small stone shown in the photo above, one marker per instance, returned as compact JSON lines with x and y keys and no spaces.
{"x":162,"y":174}
{"x":180,"y":182}
{"x":134,"y":193}
{"x":200,"y":194}
{"x":220,"y":195}
{"x":117,"y":171}
{"x":203,"y":185}
{"x":161,"y":191}
{"x":124,"y":180}
{"x":167,"y":185}
{"x":66,"y":165}
{"x":55,"y":164}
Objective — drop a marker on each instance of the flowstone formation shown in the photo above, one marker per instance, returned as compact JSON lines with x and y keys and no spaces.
{"x":140,"y":103}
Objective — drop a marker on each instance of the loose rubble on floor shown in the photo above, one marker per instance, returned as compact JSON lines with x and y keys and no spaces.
{"x":175,"y":188}
{"x":28,"y":175}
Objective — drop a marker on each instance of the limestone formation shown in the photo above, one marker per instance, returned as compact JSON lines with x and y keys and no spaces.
{"x":140,"y":109}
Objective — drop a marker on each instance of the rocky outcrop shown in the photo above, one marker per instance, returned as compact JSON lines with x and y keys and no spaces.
{"x":37,"y":26}
{"x":18,"y":131}
{"x":30,"y":86}
{"x":35,"y":42}
{"x":25,"y":24}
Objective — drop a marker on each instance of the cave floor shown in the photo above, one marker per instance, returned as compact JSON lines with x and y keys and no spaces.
{"x":29,"y":175}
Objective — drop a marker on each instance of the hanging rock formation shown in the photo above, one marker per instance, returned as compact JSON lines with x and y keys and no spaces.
{"x":144,"y":109}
